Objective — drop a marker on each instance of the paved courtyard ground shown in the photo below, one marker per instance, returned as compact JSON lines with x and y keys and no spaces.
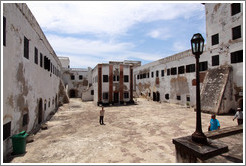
{"x":140,"y":133}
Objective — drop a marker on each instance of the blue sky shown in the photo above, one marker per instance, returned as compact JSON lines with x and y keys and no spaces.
{"x":92,"y":32}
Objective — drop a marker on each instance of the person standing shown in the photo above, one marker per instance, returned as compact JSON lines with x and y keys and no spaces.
{"x":239,"y":116}
{"x":101,"y":116}
{"x":214,"y":123}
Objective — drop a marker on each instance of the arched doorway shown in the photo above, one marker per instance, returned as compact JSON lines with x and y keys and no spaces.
{"x":72,"y":93}
{"x":154,"y":96}
{"x":40,"y":111}
{"x":157,"y":96}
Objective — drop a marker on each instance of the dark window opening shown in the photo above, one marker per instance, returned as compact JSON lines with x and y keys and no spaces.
{"x":41,"y":60}
{"x":51,"y":67}
{"x":162,"y":73}
{"x":149,"y":94}
{"x":237,"y":57}
{"x":92,"y":92}
{"x":126,"y":95}
{"x":178,"y":97}
{"x":236,"y":32}
{"x":190,"y":68}
{"x":215,"y":60}
{"x":117,"y":78}
{"x":46,"y":63}
{"x":126,"y":78}
{"x":35,"y":55}
{"x":203,"y":66}
{"x":167,"y":96}
{"x":144,"y":75}
{"x":72,"y":77}
{"x":4,"y":31}
{"x":187,"y":98}
{"x":105,"y":95}
{"x":235,"y":8}
{"x":168,"y":72}
{"x":25,"y":120}
{"x":6,"y":130}
{"x":80,"y":77}
{"x":147,"y":75}
{"x":152,"y":74}
{"x":181,"y":69}
{"x":157,"y":73}
{"x":138,"y":77}
{"x":215,"y":39}
{"x":105,"y":78}
{"x":173,"y":71}
{"x":141,"y":76}
{"x":26,"y":48}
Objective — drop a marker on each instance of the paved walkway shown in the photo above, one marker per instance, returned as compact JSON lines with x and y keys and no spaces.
{"x":139,"y":133}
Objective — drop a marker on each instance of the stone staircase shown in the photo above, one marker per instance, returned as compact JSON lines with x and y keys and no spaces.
{"x":214,"y":93}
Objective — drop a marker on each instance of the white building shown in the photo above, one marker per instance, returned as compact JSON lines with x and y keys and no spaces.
{"x":31,"y":74}
{"x":172,"y":79}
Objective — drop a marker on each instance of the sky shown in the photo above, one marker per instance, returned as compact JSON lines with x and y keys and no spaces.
{"x":92,"y":32}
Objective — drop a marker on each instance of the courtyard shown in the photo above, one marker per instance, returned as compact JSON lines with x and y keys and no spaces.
{"x":140,"y":133}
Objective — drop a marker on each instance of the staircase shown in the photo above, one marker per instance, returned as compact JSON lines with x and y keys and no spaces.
{"x":214,"y":98}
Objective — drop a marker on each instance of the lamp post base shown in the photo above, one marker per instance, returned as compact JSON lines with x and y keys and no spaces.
{"x":199,"y":137}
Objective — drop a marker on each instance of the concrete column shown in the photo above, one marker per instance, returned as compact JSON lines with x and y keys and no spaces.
{"x":110,"y":93}
{"x":121,"y":84}
{"x":99,"y":84}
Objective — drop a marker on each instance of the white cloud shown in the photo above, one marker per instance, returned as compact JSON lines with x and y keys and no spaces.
{"x":162,"y":34}
{"x":180,"y":46}
{"x":112,"y":18}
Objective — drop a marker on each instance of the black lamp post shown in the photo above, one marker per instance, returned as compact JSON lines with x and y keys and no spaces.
{"x":197,"y":45}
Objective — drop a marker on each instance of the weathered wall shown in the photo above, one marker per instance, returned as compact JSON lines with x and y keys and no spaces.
{"x":28,"y":87}
{"x":79,"y":86}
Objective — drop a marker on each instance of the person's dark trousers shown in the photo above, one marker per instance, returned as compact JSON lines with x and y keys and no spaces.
{"x":101,"y":120}
{"x":239,"y":121}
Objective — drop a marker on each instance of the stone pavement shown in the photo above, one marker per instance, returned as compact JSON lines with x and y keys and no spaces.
{"x":140,"y":133}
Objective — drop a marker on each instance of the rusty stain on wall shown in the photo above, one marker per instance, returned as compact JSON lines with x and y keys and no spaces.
{"x":10,"y":101}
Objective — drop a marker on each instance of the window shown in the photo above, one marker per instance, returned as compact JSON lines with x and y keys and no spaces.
{"x":41,"y":60}
{"x":105,"y":78}
{"x":141,"y":76}
{"x":181,"y":70}
{"x":105,"y":95}
{"x":148,"y":75}
{"x":168,"y":72}
{"x":178,"y":97}
{"x":25,"y":120}
{"x":126,"y":95}
{"x":144,"y":75}
{"x":35,"y":55}
{"x":26,"y":48}
{"x":126,"y":78}
{"x":46,"y":63}
{"x":80,"y":77}
{"x":235,"y":8}
{"x":215,"y":60}
{"x":203,"y":66}
{"x":92,"y":92}
{"x":236,"y":32}
{"x":157,"y":73}
{"x":187,"y":98}
{"x":138,"y":77}
{"x":6,"y":130}
{"x":4,"y":31}
{"x":162,"y":73}
{"x":215,"y":39}
{"x":173,"y":71}
{"x":72,"y":77}
{"x":167,"y":96}
{"x":117,"y":78}
{"x":190,"y":68}
{"x":152,"y":74}
{"x":237,"y":57}
{"x":51,"y":67}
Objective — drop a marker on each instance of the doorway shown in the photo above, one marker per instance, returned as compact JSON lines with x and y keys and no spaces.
{"x":116,"y":97}
{"x":72,"y":93}
{"x":157,"y":96}
{"x":154,"y":96}
{"x":40,"y":111}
